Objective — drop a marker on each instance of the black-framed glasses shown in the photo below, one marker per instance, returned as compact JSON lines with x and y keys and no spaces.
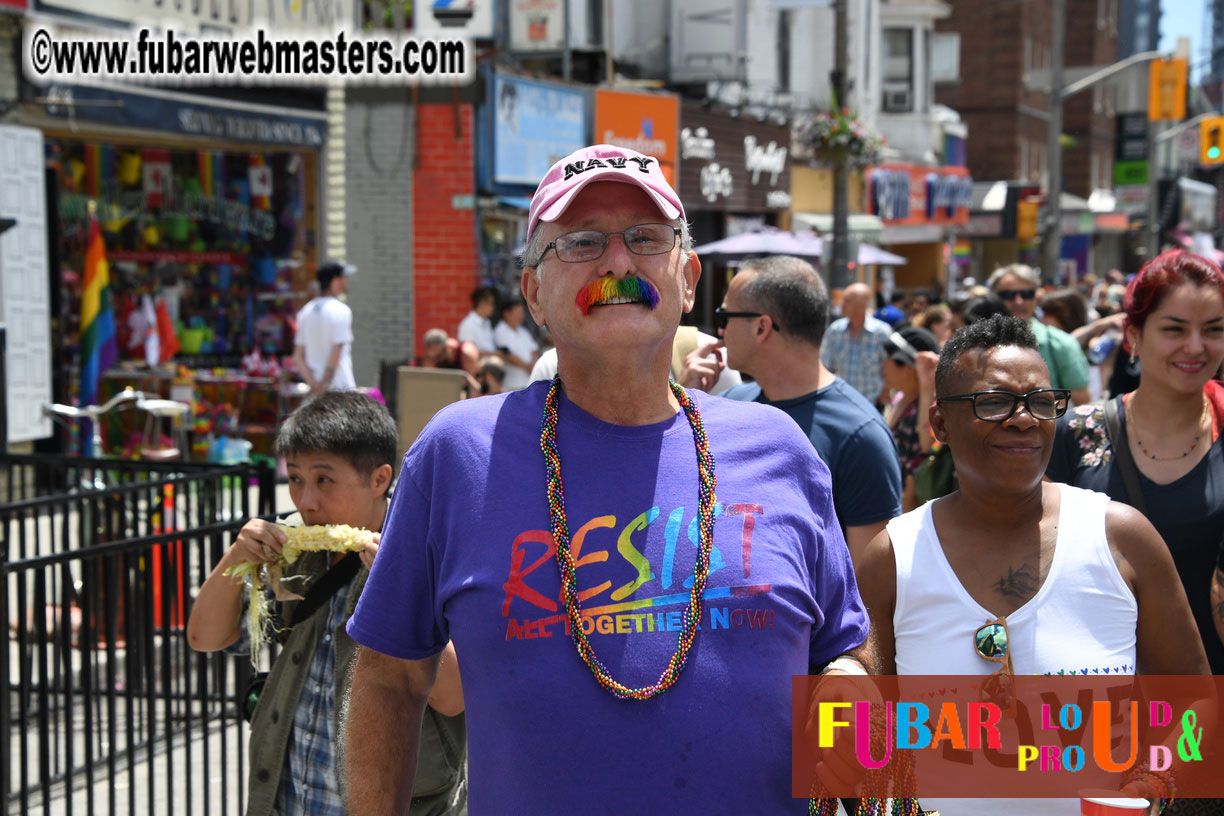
{"x":1012,"y":294}
{"x":590,"y":244}
{"x":998,"y":406}
{"x":721,"y":316}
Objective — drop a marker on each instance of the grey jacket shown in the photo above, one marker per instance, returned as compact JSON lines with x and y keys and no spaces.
{"x":441,"y":779}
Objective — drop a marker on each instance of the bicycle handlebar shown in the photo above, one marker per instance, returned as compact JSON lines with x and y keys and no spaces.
{"x":92,"y":411}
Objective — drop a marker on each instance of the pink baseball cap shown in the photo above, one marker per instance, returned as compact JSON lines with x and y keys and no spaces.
{"x":602,"y":162}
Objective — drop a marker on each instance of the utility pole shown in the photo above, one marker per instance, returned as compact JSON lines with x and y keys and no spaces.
{"x":1052,"y":237}
{"x":839,"y":271}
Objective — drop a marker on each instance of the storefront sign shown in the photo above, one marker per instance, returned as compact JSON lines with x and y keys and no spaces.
{"x":534,"y":125}
{"x":187,"y":114}
{"x":1111,"y":222}
{"x":454,"y":18}
{"x":906,"y":195}
{"x":1131,"y":172}
{"x":537,"y":25}
{"x":229,"y":15}
{"x":731,"y":164}
{"x":1130,"y":140}
{"x":1077,"y":223}
{"x":982,"y":225}
{"x":647,"y":123}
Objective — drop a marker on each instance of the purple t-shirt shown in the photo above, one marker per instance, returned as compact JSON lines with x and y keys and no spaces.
{"x":466,"y":555}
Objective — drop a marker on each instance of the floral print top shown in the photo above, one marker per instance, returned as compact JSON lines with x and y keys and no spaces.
{"x":905,"y":434}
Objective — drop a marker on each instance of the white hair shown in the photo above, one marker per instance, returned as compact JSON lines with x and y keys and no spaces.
{"x":1024,"y":272}
{"x":535,"y":246}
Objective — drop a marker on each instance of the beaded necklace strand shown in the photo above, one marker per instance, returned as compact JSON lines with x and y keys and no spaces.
{"x":565,"y":559}
{"x":1193,"y":445}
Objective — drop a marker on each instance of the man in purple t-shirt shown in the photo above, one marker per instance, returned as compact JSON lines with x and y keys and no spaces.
{"x":594,"y":541}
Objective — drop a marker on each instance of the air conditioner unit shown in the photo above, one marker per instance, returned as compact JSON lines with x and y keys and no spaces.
{"x":897,"y":100}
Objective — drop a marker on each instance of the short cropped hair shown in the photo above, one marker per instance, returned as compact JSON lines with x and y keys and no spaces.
{"x":998,"y":330}
{"x":980,"y":307}
{"x":1024,"y":272}
{"x":790,"y":291}
{"x":480,"y":293}
{"x":345,"y":423}
{"x":435,"y":337}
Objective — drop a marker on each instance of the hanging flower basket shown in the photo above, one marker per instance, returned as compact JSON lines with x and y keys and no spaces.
{"x":837,"y":137}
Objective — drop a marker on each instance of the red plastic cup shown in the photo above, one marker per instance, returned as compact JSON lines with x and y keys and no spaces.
{"x":1110,"y":803}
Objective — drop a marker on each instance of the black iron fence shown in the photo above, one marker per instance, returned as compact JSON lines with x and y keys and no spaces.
{"x":107,"y":709}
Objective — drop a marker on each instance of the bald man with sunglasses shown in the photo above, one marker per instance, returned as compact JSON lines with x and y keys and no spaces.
{"x":1036,"y":577}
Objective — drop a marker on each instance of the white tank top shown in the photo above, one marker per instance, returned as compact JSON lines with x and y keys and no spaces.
{"x":1081,"y":621}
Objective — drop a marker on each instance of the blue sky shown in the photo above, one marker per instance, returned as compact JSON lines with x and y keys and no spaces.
{"x":1184,"y":18}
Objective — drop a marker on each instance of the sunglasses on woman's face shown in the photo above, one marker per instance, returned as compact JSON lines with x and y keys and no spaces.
{"x":991,"y":642}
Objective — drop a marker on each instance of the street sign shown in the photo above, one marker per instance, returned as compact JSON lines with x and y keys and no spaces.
{"x":1188,"y":145}
{"x":1131,"y":172}
{"x":1167,"y":90}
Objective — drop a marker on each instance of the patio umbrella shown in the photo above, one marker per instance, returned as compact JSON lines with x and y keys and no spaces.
{"x":764,"y":241}
{"x":774,"y":241}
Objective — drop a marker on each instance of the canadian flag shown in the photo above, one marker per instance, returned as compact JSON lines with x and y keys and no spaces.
{"x":156,"y":171}
{"x":261,"y":182}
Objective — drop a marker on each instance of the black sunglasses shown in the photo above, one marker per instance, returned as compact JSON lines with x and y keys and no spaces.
{"x":721,"y":316}
{"x":1010,"y":294}
{"x":999,"y":406}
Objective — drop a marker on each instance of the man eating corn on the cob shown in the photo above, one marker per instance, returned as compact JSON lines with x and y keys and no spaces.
{"x":339,"y":448}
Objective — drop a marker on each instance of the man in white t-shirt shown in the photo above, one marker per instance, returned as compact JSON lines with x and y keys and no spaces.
{"x":323,"y":345}
{"x":476,"y":327}
{"x":517,"y":345}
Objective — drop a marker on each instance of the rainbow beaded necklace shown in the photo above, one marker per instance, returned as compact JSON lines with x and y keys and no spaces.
{"x":565,"y":559}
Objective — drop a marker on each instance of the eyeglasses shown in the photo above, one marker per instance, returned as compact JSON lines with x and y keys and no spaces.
{"x":1012,"y":294}
{"x":998,"y":406}
{"x":721,"y":316}
{"x":991,"y":643}
{"x":589,"y":245}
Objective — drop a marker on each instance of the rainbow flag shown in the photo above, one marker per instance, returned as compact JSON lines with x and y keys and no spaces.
{"x":962,"y":252}
{"x":210,"y":165}
{"x":99,"y":348}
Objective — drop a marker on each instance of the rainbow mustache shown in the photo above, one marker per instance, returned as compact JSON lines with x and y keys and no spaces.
{"x":608,"y":291}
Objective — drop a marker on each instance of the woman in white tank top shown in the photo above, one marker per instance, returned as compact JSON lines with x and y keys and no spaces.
{"x":1085,"y":584}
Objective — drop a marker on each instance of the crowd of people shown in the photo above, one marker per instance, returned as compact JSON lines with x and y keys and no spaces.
{"x":538,"y":542}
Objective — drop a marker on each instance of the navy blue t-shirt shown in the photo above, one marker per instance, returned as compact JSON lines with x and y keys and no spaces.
{"x":1188,"y":513}
{"x":853,"y":440}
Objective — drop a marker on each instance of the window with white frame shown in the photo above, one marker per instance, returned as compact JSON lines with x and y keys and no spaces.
{"x":945,"y":56}
{"x":898,"y":79}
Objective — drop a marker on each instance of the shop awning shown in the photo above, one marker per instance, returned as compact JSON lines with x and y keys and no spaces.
{"x":865,"y":227}
{"x":184,"y":114}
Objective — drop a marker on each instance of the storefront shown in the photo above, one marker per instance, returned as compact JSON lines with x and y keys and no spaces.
{"x":735,"y":175}
{"x":921,"y":208}
{"x":208,"y":212}
{"x":524,"y":127}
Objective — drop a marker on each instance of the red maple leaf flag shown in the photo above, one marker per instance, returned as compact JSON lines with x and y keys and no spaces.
{"x":156,"y":172}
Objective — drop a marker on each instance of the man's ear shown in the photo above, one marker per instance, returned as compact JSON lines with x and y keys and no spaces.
{"x":939,"y":426}
{"x":529,"y":282}
{"x":692,"y":274}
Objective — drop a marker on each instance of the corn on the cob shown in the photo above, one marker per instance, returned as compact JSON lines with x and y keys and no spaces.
{"x":312,"y":538}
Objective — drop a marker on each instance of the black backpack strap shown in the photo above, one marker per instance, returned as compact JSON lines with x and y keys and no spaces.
{"x":323,"y":589}
{"x":1122,"y":455}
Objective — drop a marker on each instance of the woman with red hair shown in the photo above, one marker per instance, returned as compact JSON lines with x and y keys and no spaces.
{"x":1158,"y":448}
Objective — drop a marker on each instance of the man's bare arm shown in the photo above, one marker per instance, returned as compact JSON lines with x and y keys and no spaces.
{"x":857,"y":539}
{"x":877,"y":580}
{"x":447,"y":695}
{"x":382,"y":731}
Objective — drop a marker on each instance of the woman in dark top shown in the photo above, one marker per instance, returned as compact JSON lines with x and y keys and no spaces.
{"x":912,"y":394}
{"x":1170,"y":424}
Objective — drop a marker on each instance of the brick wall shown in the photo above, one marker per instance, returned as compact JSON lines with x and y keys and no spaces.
{"x":379,"y":183}
{"x":444,"y":251}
